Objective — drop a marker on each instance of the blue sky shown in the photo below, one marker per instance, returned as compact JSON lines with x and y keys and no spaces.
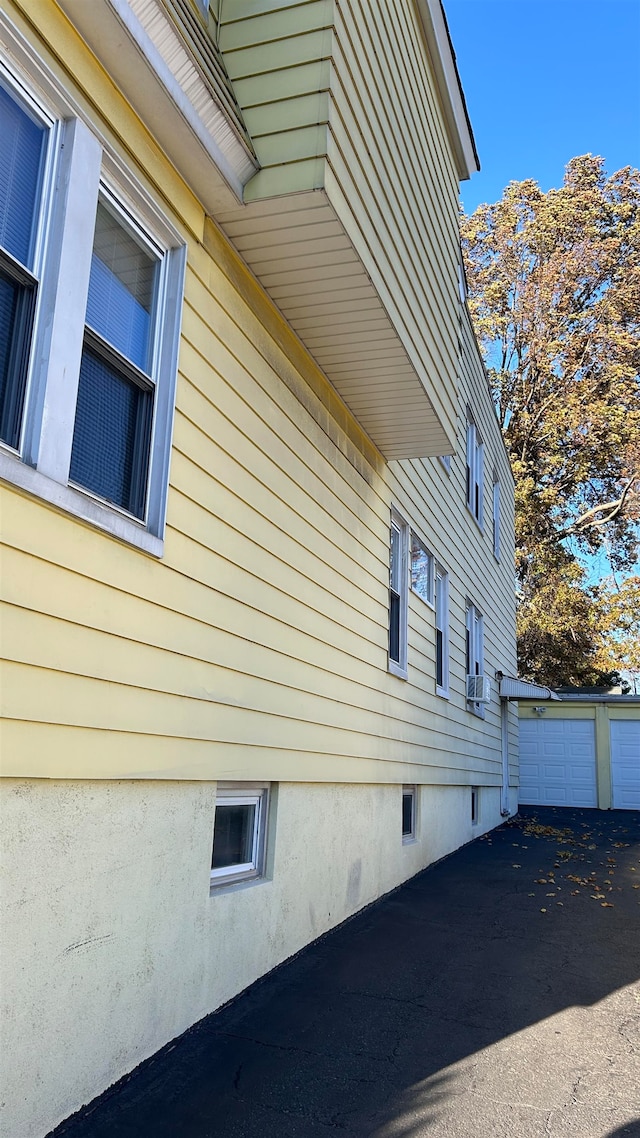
{"x":545,"y":80}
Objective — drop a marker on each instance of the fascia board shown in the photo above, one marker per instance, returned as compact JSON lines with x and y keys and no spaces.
{"x":443,"y":59}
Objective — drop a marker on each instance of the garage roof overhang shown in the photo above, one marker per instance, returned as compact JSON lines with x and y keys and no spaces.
{"x":513,"y":688}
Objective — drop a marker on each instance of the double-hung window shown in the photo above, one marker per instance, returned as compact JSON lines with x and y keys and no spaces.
{"x":398,"y":595}
{"x":91,"y":281}
{"x":24,"y":140}
{"x":474,"y":642}
{"x":475,"y":463}
{"x":114,"y":410}
{"x":239,"y":834}
{"x":442,"y":631}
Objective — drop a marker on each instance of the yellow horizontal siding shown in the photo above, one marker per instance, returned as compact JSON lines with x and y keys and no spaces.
{"x":290,"y":114}
{"x":257,"y":646}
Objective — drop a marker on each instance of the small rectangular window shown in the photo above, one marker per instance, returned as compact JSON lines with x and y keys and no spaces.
{"x":398,"y":595}
{"x":442,"y":631}
{"x":421,"y":570}
{"x":475,"y":464}
{"x":239,"y":834}
{"x":475,"y":794}
{"x":496,"y":517}
{"x":409,"y":799}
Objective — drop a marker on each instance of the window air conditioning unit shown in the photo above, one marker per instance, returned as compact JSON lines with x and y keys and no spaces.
{"x":478,"y":689}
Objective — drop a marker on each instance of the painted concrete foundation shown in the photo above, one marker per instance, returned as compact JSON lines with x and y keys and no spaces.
{"x":132,"y":949}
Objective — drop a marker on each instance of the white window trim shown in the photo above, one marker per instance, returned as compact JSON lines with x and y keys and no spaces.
{"x":430,"y":600}
{"x":496,"y":517}
{"x":475,"y":805}
{"x":475,"y":471}
{"x":474,"y":626}
{"x":400,"y":668}
{"x":441,"y":573}
{"x":245,"y":794}
{"x":410,"y":838}
{"x":78,"y":167}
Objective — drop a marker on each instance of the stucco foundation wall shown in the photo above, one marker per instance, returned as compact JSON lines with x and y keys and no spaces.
{"x":113,"y":943}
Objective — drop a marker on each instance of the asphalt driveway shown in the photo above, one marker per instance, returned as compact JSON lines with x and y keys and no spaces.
{"x":495,"y":995}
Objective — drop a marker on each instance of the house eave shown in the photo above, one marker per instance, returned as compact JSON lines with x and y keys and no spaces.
{"x":302,"y":254}
{"x":134,"y":38}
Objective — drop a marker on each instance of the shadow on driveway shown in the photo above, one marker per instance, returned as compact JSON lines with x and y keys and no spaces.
{"x":494,"y":995}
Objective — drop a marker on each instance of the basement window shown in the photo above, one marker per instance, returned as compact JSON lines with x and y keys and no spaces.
{"x":239,"y":834}
{"x":409,"y":799}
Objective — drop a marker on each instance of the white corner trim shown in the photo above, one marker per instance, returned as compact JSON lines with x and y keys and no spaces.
{"x":446,"y":74}
{"x":78,"y":505}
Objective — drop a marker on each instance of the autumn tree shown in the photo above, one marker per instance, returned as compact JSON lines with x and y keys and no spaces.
{"x":554,"y":294}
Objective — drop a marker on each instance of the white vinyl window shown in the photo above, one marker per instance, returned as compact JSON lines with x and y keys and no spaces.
{"x":475,"y":802}
{"x":442,"y":630}
{"x":474,"y":649}
{"x":409,"y":814}
{"x":422,"y":570}
{"x":26,"y":145}
{"x":239,"y":834}
{"x":90,"y":307}
{"x":496,"y":517}
{"x":475,"y":464}
{"x":398,"y":595}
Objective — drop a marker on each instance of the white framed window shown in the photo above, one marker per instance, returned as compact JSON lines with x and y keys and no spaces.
{"x":442,"y":630}
{"x":27,"y":144}
{"x":422,"y":570}
{"x":496,"y":516}
{"x":91,"y":279}
{"x":474,"y":649}
{"x":409,"y":814}
{"x":475,"y":472}
{"x":239,"y":833}
{"x":398,"y":595}
{"x":475,"y":803}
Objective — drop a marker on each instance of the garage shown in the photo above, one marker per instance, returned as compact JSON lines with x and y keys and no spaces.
{"x":625,"y":764}
{"x":558,"y":762}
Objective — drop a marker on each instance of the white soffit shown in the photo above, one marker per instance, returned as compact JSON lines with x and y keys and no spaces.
{"x":298,"y":249}
{"x":141,"y":49}
{"x":443,"y":58}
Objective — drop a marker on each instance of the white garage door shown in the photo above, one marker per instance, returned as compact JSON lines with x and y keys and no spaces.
{"x":558,"y":762}
{"x":625,"y":763}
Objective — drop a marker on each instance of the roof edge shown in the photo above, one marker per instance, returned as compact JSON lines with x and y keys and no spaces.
{"x":436,"y":30}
